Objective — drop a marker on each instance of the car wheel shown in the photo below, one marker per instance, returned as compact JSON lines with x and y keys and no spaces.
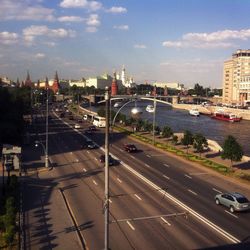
{"x":232,"y":209}
{"x":217,"y":201}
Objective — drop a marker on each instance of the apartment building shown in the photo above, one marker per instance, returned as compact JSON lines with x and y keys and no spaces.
{"x":236,"y":78}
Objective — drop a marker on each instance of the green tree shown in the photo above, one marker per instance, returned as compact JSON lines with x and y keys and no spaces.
{"x":199,"y":143}
{"x":167,"y":132}
{"x":232,"y":150}
{"x":174,"y":139}
{"x":187,"y":139}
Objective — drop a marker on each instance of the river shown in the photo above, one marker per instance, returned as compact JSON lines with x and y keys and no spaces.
{"x":180,"y":120}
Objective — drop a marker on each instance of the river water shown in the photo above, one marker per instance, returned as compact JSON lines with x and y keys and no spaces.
{"x":180,"y":120}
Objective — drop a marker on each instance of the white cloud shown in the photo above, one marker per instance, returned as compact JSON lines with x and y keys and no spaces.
{"x":90,"y":5}
{"x":218,"y":39}
{"x":93,"y":20}
{"x":8,"y":37}
{"x":70,"y":19}
{"x":30,"y":33}
{"x":91,"y":29}
{"x":117,"y":10}
{"x":23,"y":10}
{"x":39,"y":55}
{"x":140,"y":46}
{"x":121,"y":27}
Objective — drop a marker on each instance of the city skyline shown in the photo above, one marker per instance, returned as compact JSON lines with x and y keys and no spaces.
{"x":171,"y":41}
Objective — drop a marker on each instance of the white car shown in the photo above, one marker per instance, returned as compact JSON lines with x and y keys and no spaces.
{"x":77,"y":126}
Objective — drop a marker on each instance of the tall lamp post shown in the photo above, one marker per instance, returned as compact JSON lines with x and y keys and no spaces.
{"x":47,"y":128}
{"x":106,"y":198}
{"x":154,"y":120}
{"x":45,"y":152}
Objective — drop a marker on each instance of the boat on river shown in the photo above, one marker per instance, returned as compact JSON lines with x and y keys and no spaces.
{"x":150,"y":108}
{"x":225,"y":116}
{"x":194,"y":112}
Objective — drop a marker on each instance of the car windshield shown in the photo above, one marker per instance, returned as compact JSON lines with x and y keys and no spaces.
{"x":242,"y":200}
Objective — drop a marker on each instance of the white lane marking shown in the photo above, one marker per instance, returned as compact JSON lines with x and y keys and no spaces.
{"x":166,"y":165}
{"x":191,"y":191}
{"x":148,"y":156}
{"x":96,"y":159}
{"x":165,"y":221}
{"x":130,"y":225}
{"x":216,"y":190}
{"x":190,"y":177}
{"x":157,"y":155}
{"x":181,"y":204}
{"x":197,"y":173}
{"x":87,"y":151}
{"x":77,"y":160}
{"x":235,"y":216}
{"x":132,"y":156}
{"x":147,"y":165}
{"x":84,"y":169}
{"x":71,"y":153}
{"x":110,"y":200}
{"x":121,"y":150}
{"x":138,"y":197}
{"x":119,"y":180}
{"x":166,"y":176}
{"x":95,"y":182}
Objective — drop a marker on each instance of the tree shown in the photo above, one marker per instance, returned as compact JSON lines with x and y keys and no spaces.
{"x":174,"y":139}
{"x":187,"y":139}
{"x":232,"y":150}
{"x":167,"y":132}
{"x":199,"y":143}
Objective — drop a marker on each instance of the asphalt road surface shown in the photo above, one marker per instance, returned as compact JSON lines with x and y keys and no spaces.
{"x":156,"y":201}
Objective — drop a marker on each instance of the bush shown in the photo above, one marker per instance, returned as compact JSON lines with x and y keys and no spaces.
{"x":9,"y":234}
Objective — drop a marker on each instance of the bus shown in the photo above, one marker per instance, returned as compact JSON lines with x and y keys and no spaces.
{"x":99,"y":122}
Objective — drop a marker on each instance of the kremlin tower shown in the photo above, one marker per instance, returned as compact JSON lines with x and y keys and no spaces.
{"x":114,"y":86}
{"x":55,"y":86}
{"x":28,"y":82}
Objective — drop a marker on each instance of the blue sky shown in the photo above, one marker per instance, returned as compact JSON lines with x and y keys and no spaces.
{"x":183,"y":41}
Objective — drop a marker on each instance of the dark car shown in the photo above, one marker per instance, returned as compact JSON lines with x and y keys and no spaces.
{"x":111,"y":160}
{"x":62,"y":115}
{"x":90,"y":145}
{"x":130,"y":148}
{"x":92,"y":128}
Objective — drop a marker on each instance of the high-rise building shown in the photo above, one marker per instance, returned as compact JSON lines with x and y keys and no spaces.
{"x":236,"y":78}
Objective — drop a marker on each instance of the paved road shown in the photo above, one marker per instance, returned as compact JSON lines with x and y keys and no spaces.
{"x":80,"y":176}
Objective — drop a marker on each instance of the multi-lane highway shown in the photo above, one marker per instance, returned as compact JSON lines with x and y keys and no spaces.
{"x":157,"y":201}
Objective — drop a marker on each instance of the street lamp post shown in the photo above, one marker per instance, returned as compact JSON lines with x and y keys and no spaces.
{"x":47,"y":131}
{"x":154,"y":121}
{"x":45,"y":152}
{"x":106,"y":198}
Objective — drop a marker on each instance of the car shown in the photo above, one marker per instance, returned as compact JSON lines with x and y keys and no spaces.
{"x":92,"y":128}
{"x":90,"y":145}
{"x":77,"y":126}
{"x":234,"y":201}
{"x":130,"y":147}
{"x":111,"y":160}
{"x":79,"y":120}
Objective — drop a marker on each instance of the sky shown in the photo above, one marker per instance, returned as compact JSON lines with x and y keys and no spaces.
{"x":183,"y":41}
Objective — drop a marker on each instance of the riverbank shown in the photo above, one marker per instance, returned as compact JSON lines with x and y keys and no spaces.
{"x":208,"y":110}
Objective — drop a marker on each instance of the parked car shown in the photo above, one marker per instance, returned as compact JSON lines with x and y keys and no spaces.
{"x":235,"y":201}
{"x":130,"y":147}
{"x":111,"y":160}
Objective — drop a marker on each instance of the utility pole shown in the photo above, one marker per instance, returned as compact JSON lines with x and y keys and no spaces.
{"x":106,"y":198}
{"x":47,"y":125}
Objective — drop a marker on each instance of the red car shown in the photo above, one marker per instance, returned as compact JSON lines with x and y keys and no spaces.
{"x":130,"y":148}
